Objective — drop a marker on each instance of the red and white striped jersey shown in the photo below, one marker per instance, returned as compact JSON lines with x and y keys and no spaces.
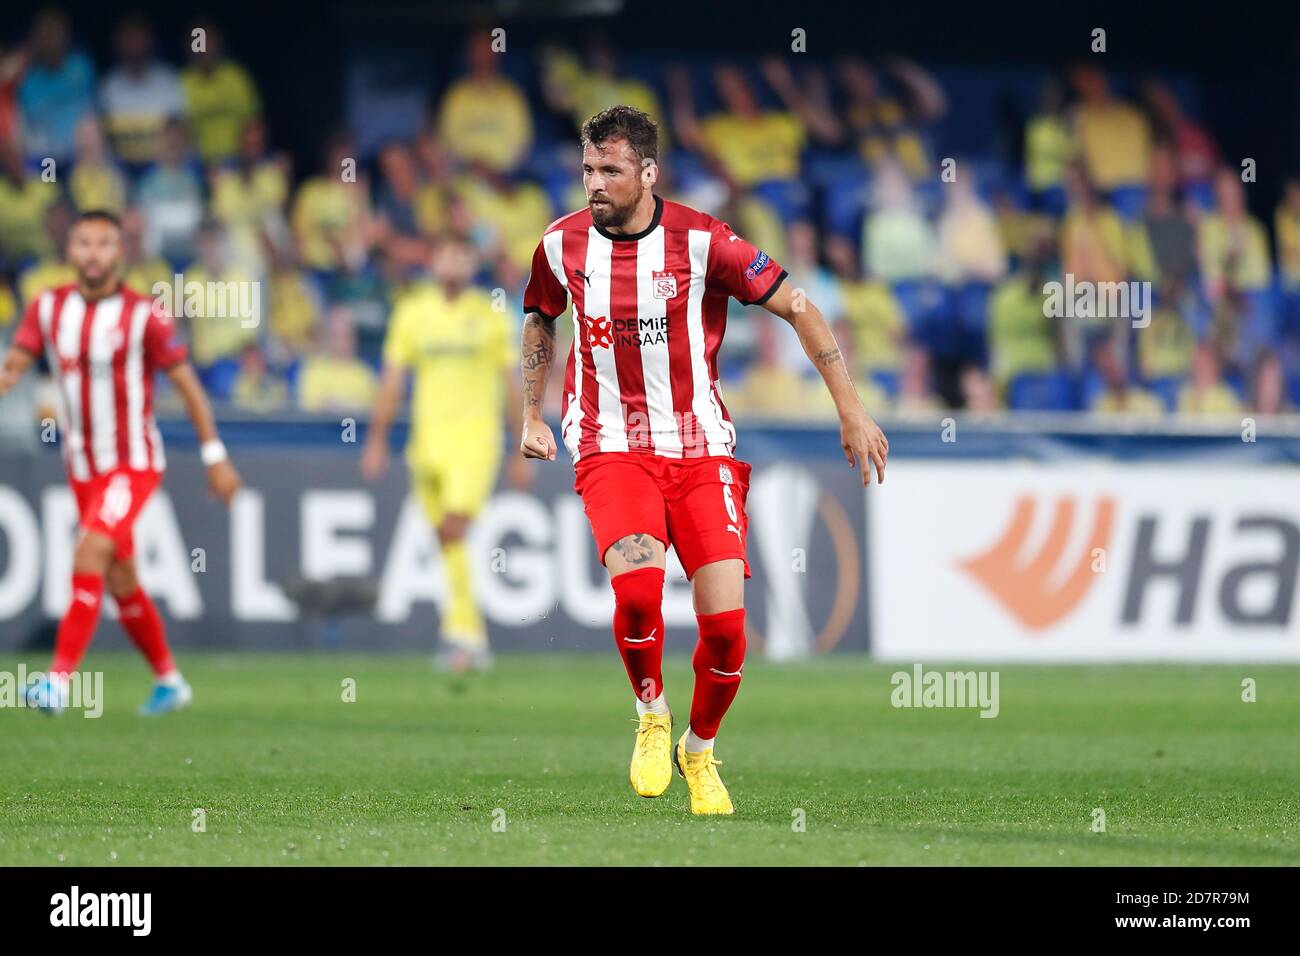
{"x":649,"y":312}
{"x":103,"y":356}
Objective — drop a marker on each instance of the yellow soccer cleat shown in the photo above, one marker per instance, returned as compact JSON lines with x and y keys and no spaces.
{"x":699,"y":770}
{"x":652,"y":767}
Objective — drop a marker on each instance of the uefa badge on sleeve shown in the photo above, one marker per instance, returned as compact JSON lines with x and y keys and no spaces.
{"x":664,"y":284}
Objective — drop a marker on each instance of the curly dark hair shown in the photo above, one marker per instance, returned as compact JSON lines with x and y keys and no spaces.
{"x":98,"y":215}
{"x":624,"y":122}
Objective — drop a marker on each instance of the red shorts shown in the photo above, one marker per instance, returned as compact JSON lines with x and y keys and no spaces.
{"x":110,"y":503}
{"x":697,"y":505}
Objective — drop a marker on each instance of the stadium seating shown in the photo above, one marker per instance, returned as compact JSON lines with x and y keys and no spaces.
{"x":219,"y":378}
{"x":1046,"y":391}
{"x":1166,"y":389}
{"x":388,"y":94}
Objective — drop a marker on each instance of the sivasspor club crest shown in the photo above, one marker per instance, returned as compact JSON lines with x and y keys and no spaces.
{"x":663,"y":284}
{"x":724,"y":474}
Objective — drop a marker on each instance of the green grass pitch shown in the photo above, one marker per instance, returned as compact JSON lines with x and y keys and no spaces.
{"x":421,"y":766}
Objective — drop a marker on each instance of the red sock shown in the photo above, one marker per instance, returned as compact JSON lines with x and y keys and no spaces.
{"x":639,"y":628}
{"x":140,"y":619}
{"x":78,"y":624}
{"x":719,"y":659}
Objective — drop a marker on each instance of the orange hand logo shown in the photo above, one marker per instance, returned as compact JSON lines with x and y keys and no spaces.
{"x":1024,"y":589}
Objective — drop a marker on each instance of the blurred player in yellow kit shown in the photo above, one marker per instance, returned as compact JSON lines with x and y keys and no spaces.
{"x":465,"y":357}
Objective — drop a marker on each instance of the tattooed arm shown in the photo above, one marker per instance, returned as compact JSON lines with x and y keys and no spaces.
{"x":537,"y":352}
{"x":860,"y":437}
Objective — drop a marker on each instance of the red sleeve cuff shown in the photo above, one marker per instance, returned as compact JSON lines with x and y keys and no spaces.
{"x":776,"y":284}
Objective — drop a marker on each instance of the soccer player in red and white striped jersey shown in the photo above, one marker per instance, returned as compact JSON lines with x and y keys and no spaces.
{"x":644,"y":421}
{"x":103,"y":343}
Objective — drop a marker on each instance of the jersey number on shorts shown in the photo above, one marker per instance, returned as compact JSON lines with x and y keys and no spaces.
{"x":731,"y":512}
